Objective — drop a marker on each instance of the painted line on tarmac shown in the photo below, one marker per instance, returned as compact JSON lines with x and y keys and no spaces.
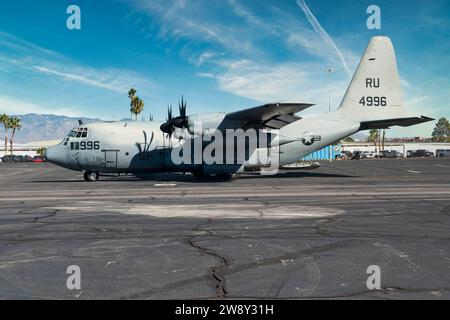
{"x":441,"y":165}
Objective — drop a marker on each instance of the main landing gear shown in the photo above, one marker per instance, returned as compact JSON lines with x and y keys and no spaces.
{"x":91,"y":176}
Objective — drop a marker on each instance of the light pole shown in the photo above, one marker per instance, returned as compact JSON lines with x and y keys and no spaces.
{"x":329,"y":70}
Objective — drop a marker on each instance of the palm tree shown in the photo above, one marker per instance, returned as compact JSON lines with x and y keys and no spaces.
{"x":136,"y":103}
{"x":374,"y":135}
{"x":40,"y":151}
{"x":139,"y":106}
{"x":14,"y":124}
{"x":4,"y":119}
{"x":132,"y":96}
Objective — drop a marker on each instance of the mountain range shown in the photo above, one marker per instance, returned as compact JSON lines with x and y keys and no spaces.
{"x":41,"y":127}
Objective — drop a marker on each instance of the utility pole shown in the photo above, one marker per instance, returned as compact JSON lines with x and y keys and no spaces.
{"x":329,"y":70}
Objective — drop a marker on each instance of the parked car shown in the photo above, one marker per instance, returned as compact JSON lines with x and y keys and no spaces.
{"x":38,"y":159}
{"x":390,"y":154}
{"x":345,"y":155}
{"x":16,"y":158}
{"x":369,"y":155}
{"x":356,"y":155}
{"x":422,"y":153}
{"x":19,"y":158}
{"x":443,"y":153}
{"x":8,"y":158}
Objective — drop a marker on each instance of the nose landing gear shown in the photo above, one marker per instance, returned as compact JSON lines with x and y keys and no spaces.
{"x":91,"y":176}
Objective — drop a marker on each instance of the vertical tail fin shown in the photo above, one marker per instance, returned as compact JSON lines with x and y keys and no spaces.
{"x":374,"y":92}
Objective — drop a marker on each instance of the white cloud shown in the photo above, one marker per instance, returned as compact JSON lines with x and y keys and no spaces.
{"x":28,"y":56}
{"x":11,"y":105}
{"x":181,"y":19}
{"x":299,"y":82}
{"x":242,"y":12}
{"x":24,"y":47}
{"x":112,"y":79}
{"x":202,"y":58}
{"x":245,"y":67}
{"x":322,"y":33}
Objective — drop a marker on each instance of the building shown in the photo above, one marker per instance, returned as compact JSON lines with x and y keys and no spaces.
{"x":27,"y":149}
{"x":324,"y":154}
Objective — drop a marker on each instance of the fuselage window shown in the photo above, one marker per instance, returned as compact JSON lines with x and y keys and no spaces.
{"x":78,"y":134}
{"x":84,"y":133}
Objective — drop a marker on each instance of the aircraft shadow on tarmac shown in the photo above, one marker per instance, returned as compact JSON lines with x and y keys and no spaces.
{"x":179,"y":177}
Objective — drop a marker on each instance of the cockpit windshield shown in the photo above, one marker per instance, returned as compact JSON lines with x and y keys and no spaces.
{"x":75,"y":133}
{"x":78,"y":133}
{"x":72,"y":134}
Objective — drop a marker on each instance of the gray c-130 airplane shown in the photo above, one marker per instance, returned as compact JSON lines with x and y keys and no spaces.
{"x":373,"y":100}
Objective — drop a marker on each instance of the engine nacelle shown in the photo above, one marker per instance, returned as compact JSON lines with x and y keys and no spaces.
{"x":205,"y":123}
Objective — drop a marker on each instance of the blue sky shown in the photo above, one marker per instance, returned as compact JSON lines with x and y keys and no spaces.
{"x":222,"y":55}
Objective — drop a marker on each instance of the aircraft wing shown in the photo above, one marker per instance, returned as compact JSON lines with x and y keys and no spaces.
{"x":271,"y":115}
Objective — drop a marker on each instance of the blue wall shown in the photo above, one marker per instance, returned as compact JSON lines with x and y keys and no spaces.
{"x":324,"y":154}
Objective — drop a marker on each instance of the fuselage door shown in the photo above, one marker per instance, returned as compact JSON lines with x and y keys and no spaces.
{"x":110,"y":158}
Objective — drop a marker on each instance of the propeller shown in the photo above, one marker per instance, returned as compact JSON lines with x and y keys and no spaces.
{"x":178,"y":122}
{"x":168,"y":127}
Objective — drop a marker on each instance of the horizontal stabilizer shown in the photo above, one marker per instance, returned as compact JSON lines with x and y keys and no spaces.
{"x":385,"y":124}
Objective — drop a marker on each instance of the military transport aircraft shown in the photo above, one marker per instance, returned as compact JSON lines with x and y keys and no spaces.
{"x":373,"y":100}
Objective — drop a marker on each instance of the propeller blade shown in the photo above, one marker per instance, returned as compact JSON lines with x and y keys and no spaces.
{"x":168,"y":127}
{"x":139,"y":147}
{"x":182,"y":107}
{"x":182,"y":120}
{"x":169,"y":113}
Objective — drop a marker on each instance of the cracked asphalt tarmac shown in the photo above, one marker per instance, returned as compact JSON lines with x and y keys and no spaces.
{"x":297,"y":235}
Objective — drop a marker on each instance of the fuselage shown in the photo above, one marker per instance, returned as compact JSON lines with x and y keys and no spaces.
{"x":122,"y":147}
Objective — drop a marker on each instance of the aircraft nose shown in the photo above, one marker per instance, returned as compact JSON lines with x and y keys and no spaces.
{"x":54,"y":154}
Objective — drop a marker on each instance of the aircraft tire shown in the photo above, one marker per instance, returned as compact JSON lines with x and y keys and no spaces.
{"x":91,"y":176}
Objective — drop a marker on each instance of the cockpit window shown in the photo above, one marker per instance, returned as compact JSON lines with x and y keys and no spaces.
{"x":78,"y":133}
{"x":72,"y":134}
